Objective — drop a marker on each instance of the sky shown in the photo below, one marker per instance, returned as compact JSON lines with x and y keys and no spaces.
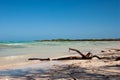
{"x":51,"y":19}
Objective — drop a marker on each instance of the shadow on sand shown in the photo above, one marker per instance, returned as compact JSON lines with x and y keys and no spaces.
{"x":67,"y":72}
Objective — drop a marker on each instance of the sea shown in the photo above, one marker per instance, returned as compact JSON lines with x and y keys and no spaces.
{"x":12,"y":52}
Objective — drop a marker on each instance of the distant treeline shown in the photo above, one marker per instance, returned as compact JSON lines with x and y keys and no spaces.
{"x":118,"y":39}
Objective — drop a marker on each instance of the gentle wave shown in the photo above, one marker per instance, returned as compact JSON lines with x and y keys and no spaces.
{"x":12,"y":46}
{"x":13,"y":57}
{"x":29,"y":44}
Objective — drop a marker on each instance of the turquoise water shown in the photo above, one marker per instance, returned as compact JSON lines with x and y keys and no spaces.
{"x":11,"y":52}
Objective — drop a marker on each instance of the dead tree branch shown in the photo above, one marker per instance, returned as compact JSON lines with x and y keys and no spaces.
{"x":89,"y":55}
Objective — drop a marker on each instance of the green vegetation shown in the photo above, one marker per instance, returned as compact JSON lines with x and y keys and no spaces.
{"x":57,"y":40}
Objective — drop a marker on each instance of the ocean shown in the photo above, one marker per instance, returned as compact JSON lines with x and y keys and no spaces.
{"x":20,"y":51}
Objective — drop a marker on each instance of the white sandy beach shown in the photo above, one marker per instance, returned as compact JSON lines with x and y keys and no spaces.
{"x":16,"y":66}
{"x":94,"y":69}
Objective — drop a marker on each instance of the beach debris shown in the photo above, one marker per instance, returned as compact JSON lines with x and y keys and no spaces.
{"x":89,"y":55}
{"x":114,"y":49}
{"x":82,"y":56}
{"x":117,"y":59}
{"x":41,"y":59}
{"x":69,"y":58}
{"x":111,"y":50}
{"x":102,"y":51}
{"x":111,"y":54}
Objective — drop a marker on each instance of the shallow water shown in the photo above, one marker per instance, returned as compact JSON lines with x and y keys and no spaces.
{"x":14,"y":52}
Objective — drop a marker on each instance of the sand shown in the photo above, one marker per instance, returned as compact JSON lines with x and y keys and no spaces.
{"x":94,"y":69}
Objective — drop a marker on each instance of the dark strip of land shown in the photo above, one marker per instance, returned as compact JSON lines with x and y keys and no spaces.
{"x":118,"y":39}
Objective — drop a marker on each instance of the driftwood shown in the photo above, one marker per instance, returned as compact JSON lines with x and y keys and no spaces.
{"x":45,"y":59}
{"x":117,"y":59}
{"x":63,"y":58}
{"x":114,"y":49}
{"x":111,"y":50}
{"x":69,"y":58}
{"x":89,"y":55}
{"x":82,"y":56}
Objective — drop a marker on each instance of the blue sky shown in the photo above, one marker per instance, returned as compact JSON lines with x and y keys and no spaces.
{"x":49,"y":19}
